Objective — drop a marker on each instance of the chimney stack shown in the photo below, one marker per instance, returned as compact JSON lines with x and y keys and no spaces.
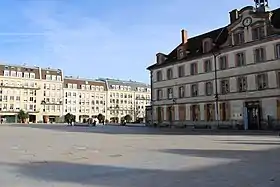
{"x":184,"y":36}
{"x":233,"y":15}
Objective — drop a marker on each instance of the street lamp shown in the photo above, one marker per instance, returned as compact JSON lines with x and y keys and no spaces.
{"x":216,"y":53}
{"x":221,"y":38}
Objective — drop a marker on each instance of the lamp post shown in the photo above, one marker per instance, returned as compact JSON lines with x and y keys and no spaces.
{"x":216,"y":54}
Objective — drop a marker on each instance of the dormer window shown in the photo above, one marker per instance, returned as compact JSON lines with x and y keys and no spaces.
{"x":258,"y":33}
{"x":160,"y":58}
{"x":180,"y":53}
{"x":207,"y":45}
{"x":238,"y":38}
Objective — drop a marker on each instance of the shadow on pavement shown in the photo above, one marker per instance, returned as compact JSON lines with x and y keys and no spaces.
{"x":250,"y":142}
{"x":248,"y":168}
{"x":107,"y":129}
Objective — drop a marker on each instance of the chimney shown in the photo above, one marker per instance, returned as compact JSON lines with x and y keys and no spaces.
{"x":184,"y":36}
{"x":233,"y":15}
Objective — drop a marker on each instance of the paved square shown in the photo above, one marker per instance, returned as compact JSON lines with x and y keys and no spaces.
{"x":60,"y":156}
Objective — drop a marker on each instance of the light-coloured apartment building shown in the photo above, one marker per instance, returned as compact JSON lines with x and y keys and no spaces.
{"x":226,"y":76}
{"x":84,"y":98}
{"x":126,"y":98}
{"x":22,"y":87}
{"x":52,"y":95}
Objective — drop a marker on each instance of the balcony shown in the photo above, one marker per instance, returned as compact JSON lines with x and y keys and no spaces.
{"x":17,"y":110}
{"x":51,"y":103}
{"x":20,"y":87}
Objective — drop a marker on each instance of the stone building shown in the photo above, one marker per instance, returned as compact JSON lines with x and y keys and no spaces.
{"x":227,"y":76}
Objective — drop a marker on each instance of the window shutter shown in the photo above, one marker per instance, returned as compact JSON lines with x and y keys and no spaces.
{"x":182,"y":112}
{"x":221,"y":111}
{"x":191,"y":113}
{"x":198,"y":113}
{"x":228,"y":112}
{"x":278,"y":109}
{"x":213,"y":112}
{"x":205,"y":112}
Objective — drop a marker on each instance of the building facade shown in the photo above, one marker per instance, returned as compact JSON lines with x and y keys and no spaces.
{"x":226,"y":76}
{"x":52,"y":95}
{"x":24,"y":87}
{"x":84,"y":98}
{"x":126,"y":98}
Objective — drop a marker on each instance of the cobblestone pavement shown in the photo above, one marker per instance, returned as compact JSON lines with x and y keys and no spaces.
{"x":112,"y":156}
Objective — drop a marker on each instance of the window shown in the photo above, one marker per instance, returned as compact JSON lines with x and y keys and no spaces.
{"x":277,"y":51}
{"x":195,"y":112}
{"x":278,"y":78}
{"x":181,"y":71}
{"x":6,"y":73}
{"x":209,"y":112}
{"x":11,"y":106}
{"x":170,"y":93}
{"x":13,"y":73}
{"x":206,"y":46}
{"x":32,"y":75}
{"x":208,"y":88}
{"x":59,"y":78}
{"x":240,"y":59}
{"x":258,"y":33}
{"x":259,"y":55}
{"x":242,"y":84}
{"x":207,"y":66}
{"x":54,"y":77}
{"x":12,"y":98}
{"x":238,"y":38}
{"x":224,"y":111}
{"x":262,"y":81}
{"x":169,"y":74}
{"x":26,"y":75}
{"x":225,"y":86}
{"x":48,"y":77}
{"x":194,"y":90}
{"x":223,"y":62}
{"x":159,"y":95}
{"x":159,"y":76}
{"x":181,"y":53}
{"x":181,"y":91}
{"x":19,"y":74}
{"x":193,"y":69}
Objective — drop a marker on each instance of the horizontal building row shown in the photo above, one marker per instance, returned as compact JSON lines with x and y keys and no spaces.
{"x":229,"y":75}
{"x":47,"y":95}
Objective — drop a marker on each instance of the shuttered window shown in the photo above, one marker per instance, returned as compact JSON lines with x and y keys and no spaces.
{"x":182,"y":113}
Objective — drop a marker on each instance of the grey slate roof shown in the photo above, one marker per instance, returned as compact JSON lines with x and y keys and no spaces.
{"x":133,"y":84}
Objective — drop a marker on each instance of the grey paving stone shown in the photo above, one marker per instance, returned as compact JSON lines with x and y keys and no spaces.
{"x":112,"y":156}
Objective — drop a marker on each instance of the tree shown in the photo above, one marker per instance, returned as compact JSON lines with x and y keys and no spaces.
{"x":127,"y":118}
{"x":22,"y":116}
{"x":101,"y":118}
{"x":69,"y":117}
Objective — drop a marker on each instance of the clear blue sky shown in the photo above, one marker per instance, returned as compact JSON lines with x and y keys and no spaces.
{"x":108,"y":38}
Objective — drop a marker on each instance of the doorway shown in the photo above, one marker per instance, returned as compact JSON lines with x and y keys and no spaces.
{"x":253,"y":115}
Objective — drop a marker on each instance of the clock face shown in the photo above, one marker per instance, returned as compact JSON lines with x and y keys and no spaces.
{"x":247,"y":21}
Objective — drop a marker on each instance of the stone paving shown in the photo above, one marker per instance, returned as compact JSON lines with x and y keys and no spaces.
{"x":112,"y":156}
